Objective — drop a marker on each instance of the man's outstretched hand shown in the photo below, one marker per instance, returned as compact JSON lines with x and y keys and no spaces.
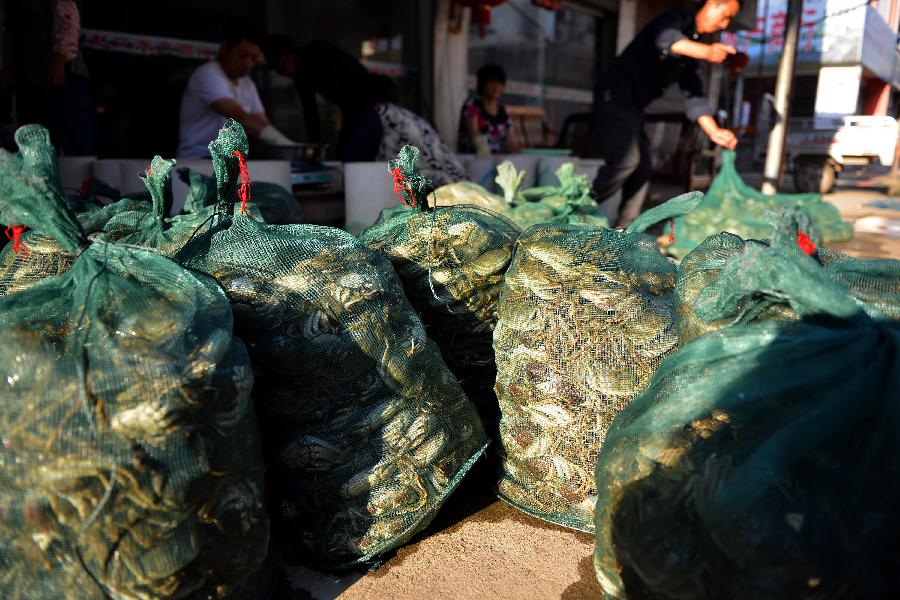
{"x":724,"y":138}
{"x":719,"y":136}
{"x":718,"y":53}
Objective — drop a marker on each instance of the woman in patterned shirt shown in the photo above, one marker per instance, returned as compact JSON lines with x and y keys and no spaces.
{"x":485,"y":126}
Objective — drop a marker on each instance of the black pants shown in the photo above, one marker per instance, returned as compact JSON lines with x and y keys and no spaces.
{"x":626,"y":150}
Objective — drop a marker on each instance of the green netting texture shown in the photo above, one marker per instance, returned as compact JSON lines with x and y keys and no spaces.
{"x":874,"y":284}
{"x":586,"y":316}
{"x":42,"y":256}
{"x":761,"y":462}
{"x":733,"y":206}
{"x":274,"y":203}
{"x":366,"y":428}
{"x":131,"y":463}
{"x":87,"y":199}
{"x":451,"y":262}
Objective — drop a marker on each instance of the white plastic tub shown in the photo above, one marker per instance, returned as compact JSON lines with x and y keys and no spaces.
{"x":368,"y":189}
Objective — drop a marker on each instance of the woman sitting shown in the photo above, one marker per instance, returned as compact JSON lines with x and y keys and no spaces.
{"x":485,"y":126}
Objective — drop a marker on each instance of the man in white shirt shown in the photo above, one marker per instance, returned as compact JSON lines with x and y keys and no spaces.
{"x":221,"y":89}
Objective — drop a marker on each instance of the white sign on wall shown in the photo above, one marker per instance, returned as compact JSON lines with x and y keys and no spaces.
{"x":831,"y":31}
{"x":838,"y":91}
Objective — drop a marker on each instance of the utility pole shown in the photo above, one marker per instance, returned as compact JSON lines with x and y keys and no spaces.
{"x":778,"y":136}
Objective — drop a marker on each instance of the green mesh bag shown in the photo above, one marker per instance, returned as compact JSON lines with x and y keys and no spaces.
{"x":366,"y":430}
{"x":451,"y":262}
{"x":274,"y":204}
{"x":586,"y":316}
{"x":33,"y":256}
{"x":733,"y":206}
{"x":875,"y":284}
{"x":154,"y":227}
{"x":37,"y":256}
{"x":87,"y":199}
{"x":131,"y":463}
{"x":530,"y":213}
{"x":761,"y":462}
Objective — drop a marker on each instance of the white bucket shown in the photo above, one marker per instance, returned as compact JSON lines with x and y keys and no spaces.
{"x":368,"y":189}
{"x":480,"y":170}
{"x":73,"y":170}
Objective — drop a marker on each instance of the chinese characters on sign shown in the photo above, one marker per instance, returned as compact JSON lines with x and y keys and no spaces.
{"x":147,"y":45}
{"x":830,"y":32}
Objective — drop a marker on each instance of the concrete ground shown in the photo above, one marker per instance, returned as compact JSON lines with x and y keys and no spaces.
{"x":478,"y":547}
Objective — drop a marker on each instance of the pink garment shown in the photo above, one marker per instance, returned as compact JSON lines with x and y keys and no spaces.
{"x":66,"y":28}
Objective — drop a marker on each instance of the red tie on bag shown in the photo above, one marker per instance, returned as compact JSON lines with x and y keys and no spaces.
{"x":244,"y":190}
{"x":806,"y":244}
{"x":14,"y":233}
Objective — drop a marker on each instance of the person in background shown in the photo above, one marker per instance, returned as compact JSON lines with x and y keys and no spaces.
{"x":386,"y":127}
{"x":485,"y":126}
{"x":50,"y":76}
{"x":665,"y":52}
{"x":322,"y":68}
{"x":221,"y":89}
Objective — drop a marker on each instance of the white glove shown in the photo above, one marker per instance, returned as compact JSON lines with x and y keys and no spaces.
{"x":272,"y":136}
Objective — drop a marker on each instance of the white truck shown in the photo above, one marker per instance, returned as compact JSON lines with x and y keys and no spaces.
{"x":819,"y":148}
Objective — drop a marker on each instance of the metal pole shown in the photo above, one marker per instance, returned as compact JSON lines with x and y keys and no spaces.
{"x":738,"y":102}
{"x":784,"y":83}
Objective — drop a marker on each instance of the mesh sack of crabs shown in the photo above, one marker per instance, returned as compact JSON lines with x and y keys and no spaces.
{"x":762,"y":480}
{"x":733,"y":206}
{"x":451,"y":262}
{"x":586,"y":317}
{"x":367,"y":428}
{"x":131,"y":463}
{"x":367,"y":431}
{"x":874,"y":283}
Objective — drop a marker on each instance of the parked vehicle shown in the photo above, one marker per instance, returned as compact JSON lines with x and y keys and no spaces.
{"x":819,"y":148}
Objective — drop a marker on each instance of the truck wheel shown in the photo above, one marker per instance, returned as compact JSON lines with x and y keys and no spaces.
{"x":814,"y":174}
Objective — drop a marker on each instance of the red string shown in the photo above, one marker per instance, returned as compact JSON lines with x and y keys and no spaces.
{"x":400,"y":187}
{"x":150,"y":171}
{"x":14,"y":233}
{"x":672,"y":232}
{"x":85,"y":187}
{"x":806,"y":244}
{"x":244,"y":190}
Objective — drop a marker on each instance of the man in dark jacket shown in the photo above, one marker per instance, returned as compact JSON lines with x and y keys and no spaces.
{"x":323,"y":68}
{"x":666,"y":51}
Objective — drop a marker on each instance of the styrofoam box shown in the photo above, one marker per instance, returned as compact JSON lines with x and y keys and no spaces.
{"x":124,"y":174}
{"x":368,"y":189}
